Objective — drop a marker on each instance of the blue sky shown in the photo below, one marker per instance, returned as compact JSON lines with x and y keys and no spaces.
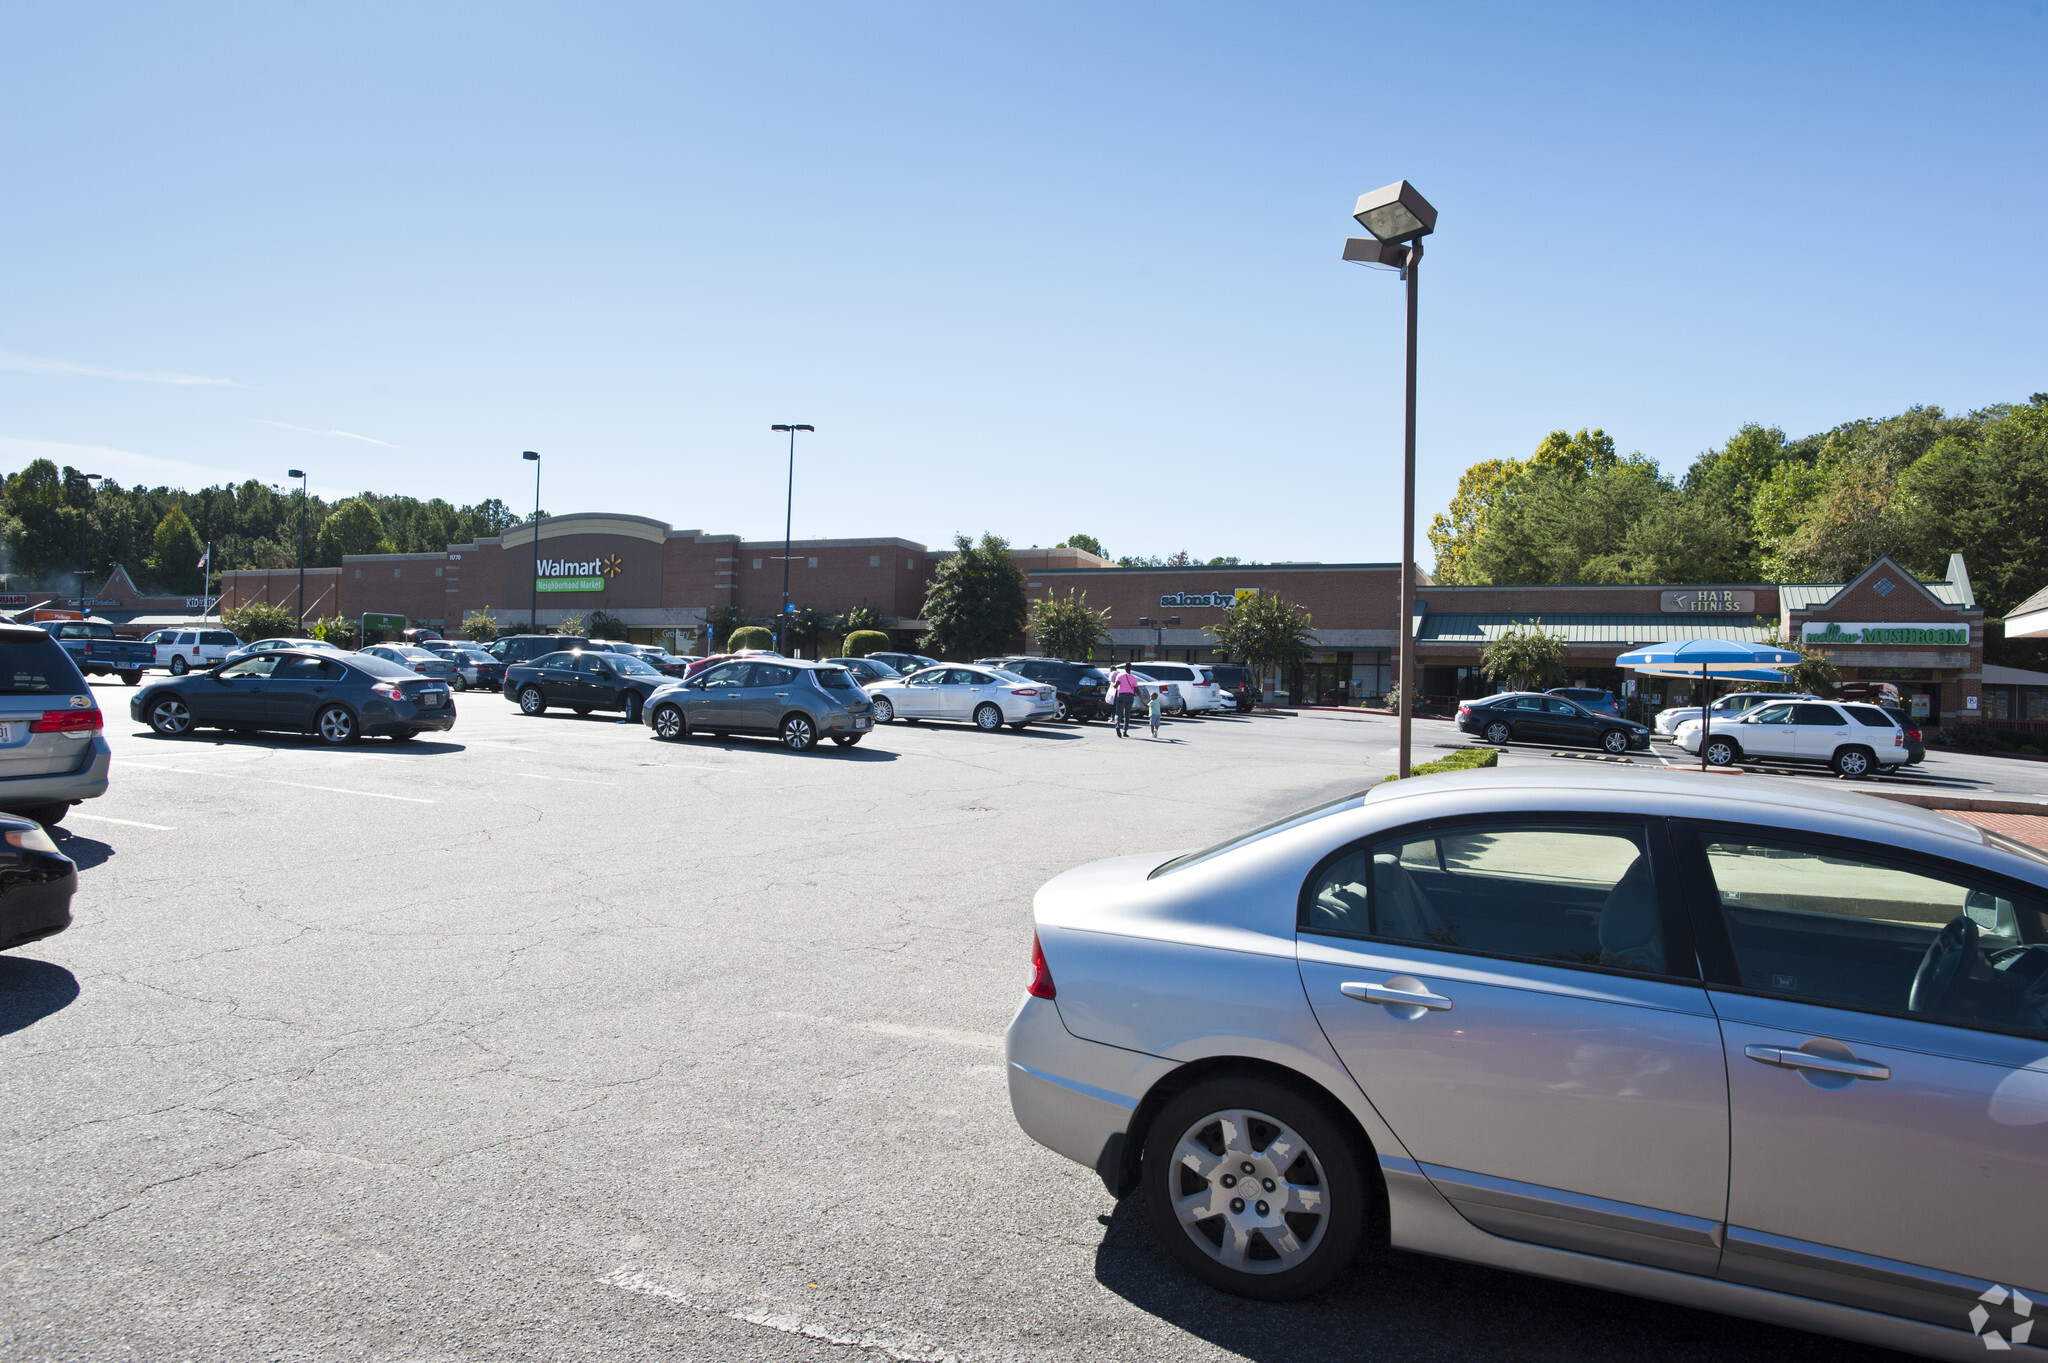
{"x":1029,"y":269}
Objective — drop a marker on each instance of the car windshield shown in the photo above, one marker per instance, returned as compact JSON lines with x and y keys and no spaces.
{"x":37,"y":667}
{"x":834,"y":678}
{"x":1337,"y":806}
{"x":626,"y":665}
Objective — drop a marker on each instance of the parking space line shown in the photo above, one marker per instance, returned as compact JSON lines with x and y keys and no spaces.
{"x":271,"y":780}
{"x":125,"y":823}
{"x":578,"y":780}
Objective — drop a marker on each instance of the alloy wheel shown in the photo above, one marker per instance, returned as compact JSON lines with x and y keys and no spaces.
{"x":179,"y":667}
{"x":799,"y":734}
{"x":884,"y":711}
{"x":336,"y":725}
{"x":1063,"y":712}
{"x":531,"y":701}
{"x":1721,"y":753}
{"x":1248,"y":1191}
{"x":988,"y":717}
{"x":1615,"y":741}
{"x":1852,"y":762}
{"x":668,"y":722}
{"x":1498,"y":733}
{"x":170,"y":717}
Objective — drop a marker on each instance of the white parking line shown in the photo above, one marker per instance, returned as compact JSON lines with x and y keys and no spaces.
{"x":536,"y":776}
{"x":125,"y":823}
{"x":273,"y":781}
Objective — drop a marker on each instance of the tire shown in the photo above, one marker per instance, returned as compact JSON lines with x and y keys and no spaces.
{"x":49,"y":816}
{"x":1238,"y":1120}
{"x":799,"y":732}
{"x":635,"y":702}
{"x":1499,"y":734}
{"x":336,"y":726}
{"x":179,"y":667}
{"x":669,"y":723}
{"x":1614,"y":741}
{"x":1019,"y":726}
{"x":1063,"y":712}
{"x":1723,"y":752}
{"x":846,"y":740}
{"x":404,"y":735}
{"x":170,"y":717}
{"x":1853,"y":763}
{"x":987,"y":718}
{"x":581,"y":709}
{"x":532,"y":701}
{"x":884,"y":712}
{"x":132,"y":678}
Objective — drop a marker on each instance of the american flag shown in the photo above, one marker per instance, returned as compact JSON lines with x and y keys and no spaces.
{"x":205,"y":557}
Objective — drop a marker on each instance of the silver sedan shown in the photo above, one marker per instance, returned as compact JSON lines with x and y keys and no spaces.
{"x":985,"y":697}
{"x":1730,"y":1042}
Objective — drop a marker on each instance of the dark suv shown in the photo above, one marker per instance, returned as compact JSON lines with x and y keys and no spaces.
{"x":524,"y":648}
{"x":1083,"y":688}
{"x":1237,"y":681}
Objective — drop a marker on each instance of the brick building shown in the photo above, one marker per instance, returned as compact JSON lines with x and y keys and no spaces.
{"x":665,"y":584}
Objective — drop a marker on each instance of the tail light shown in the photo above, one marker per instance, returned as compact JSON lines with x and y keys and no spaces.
{"x":1024,"y":691}
{"x":1041,"y":974}
{"x":388,"y":690}
{"x":67,"y":722}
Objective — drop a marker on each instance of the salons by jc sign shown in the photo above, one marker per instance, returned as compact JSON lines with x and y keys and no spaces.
{"x":577,"y":575}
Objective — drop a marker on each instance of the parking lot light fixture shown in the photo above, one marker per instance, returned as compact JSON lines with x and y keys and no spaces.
{"x":533,"y":619}
{"x":299,"y":474}
{"x":1395,"y":212}
{"x":788,"y":508}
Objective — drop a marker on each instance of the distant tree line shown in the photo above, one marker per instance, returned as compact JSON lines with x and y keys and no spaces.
{"x":1764,"y":508}
{"x":159,"y":533}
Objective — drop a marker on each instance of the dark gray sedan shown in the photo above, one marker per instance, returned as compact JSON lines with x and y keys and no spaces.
{"x":337,"y":697}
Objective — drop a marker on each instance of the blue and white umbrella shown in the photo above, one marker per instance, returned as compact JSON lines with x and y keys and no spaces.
{"x":1708,"y":659}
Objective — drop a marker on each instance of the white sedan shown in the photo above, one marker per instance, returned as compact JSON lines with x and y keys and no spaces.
{"x":985,"y":697}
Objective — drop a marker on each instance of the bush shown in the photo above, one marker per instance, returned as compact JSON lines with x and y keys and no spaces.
{"x":478,"y":626}
{"x":605,"y":625}
{"x":862,"y":642}
{"x":335,"y":629}
{"x":570,"y":623}
{"x":260,"y":620}
{"x":749,"y":636}
{"x":1462,"y":760}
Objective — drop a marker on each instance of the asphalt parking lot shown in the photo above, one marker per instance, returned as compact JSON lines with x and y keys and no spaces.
{"x":550,"y":1040}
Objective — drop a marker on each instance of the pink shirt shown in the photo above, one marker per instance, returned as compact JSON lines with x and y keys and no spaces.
{"x":1126,"y":684}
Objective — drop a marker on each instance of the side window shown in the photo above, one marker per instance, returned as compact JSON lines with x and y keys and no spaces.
{"x":1819,"y":715}
{"x":772,"y":674}
{"x":725,"y":676}
{"x":1529,"y":703}
{"x":931,"y":676}
{"x":252,"y":667}
{"x":1869,"y":716}
{"x":304,"y":669}
{"x":556,"y":660}
{"x":1774,"y":714}
{"x":1573,"y":894}
{"x":1558,"y":706}
{"x":590,"y":662}
{"x":1858,"y":930}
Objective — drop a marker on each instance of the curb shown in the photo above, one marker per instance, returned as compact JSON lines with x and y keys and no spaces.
{"x":1966,"y":804}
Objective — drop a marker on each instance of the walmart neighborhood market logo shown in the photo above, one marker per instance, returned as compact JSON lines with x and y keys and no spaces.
{"x":577,"y":575}
{"x":1998,"y":1295}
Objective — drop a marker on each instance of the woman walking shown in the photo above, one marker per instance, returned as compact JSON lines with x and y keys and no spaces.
{"x":1126,"y":688}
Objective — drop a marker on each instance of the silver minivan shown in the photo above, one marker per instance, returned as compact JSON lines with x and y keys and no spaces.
{"x":53,"y":752}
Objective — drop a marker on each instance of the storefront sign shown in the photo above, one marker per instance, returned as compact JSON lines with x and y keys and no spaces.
{"x":13,"y":599}
{"x":578,"y":575}
{"x":1198,"y":600}
{"x":1883,"y":632}
{"x":1709,"y":601}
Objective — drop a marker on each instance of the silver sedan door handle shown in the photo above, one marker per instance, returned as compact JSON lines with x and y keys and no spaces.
{"x":1402,"y":991}
{"x":1786,"y":1057}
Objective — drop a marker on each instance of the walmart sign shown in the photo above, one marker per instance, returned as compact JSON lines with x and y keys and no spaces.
{"x":1858,"y":632}
{"x":576,"y":575}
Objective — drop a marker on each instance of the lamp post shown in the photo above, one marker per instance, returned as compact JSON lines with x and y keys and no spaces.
{"x":788,"y":509}
{"x":84,"y":520}
{"x":1159,"y":628}
{"x":533,"y":620}
{"x":1399,"y":218}
{"x":300,"y":474}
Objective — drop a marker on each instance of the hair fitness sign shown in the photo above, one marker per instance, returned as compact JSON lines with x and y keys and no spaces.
{"x":1860,"y":632}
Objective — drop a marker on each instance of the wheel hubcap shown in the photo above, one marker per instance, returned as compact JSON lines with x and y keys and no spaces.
{"x":666,"y":724}
{"x":1853,"y":764}
{"x":335,"y":725}
{"x":1248,"y":1191}
{"x":172,"y":716}
{"x":797,"y":734}
{"x":990,"y":718}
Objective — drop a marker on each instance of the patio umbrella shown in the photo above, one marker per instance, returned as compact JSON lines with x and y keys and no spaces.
{"x":1706,"y":658}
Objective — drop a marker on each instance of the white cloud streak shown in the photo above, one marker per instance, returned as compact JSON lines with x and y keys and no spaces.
{"x":35,"y":364}
{"x":345,"y":435}
{"x":131,"y":468}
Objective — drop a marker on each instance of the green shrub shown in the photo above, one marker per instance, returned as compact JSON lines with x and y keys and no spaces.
{"x":570,"y":623}
{"x":1461,"y":760}
{"x":749,"y":636}
{"x":605,"y":625}
{"x":479,"y":627}
{"x":260,"y":620}
{"x":862,"y":642}
{"x":336,"y":630}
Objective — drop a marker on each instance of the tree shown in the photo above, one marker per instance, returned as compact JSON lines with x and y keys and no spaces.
{"x":723,"y":622}
{"x":480,"y":626}
{"x":1453,"y":533}
{"x":1526,"y":656}
{"x":174,"y":553}
{"x":1088,"y":542}
{"x":354,"y":528}
{"x":42,"y":528}
{"x":1264,"y":630}
{"x":255,"y":620}
{"x":803,"y":627}
{"x":605,"y":625}
{"x":976,"y":602}
{"x":570,"y":623}
{"x":1068,"y":627}
{"x":862,"y":642}
{"x":1814,"y":675}
{"x":863,"y":617}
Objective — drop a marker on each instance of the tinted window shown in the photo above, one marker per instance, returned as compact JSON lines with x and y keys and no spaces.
{"x":1526,"y":703}
{"x":1859,"y":930}
{"x":382,"y":668}
{"x":1573,"y":894}
{"x":1561,"y":707}
{"x":1869,"y":715}
{"x":307,"y":669}
{"x":833,"y":678}
{"x":1816,"y":714}
{"x":772,"y":674}
{"x":1164,"y":672}
{"x":590,"y":662}
{"x":252,"y":667}
{"x":627,"y":666}
{"x":37,"y":667}
{"x":556,"y":660}
{"x":221,"y":637}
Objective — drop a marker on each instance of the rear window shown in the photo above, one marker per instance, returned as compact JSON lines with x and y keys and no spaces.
{"x":222,"y":638}
{"x":1165,"y":672}
{"x":833,"y":678}
{"x":1869,"y":715}
{"x":82,"y":631}
{"x":37,"y":667}
{"x":381,"y":668}
{"x":1181,"y":863}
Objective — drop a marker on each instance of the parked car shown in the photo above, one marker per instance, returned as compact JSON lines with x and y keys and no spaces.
{"x":1881,"y":716}
{"x":905,"y":663}
{"x":187,"y":650}
{"x":337,"y":697}
{"x":700,"y":664}
{"x":36,"y":884}
{"x":98,"y":651}
{"x":424,"y":661}
{"x":53,"y":748}
{"x":475,"y":668}
{"x":524,"y":648}
{"x":866,"y":671}
{"x":1082,"y":688}
{"x":582,"y":680}
{"x":1194,"y":684}
{"x":666,"y":663}
{"x":1599,"y":702}
{"x":1658,"y":1035}
{"x":1532,"y":717}
{"x":274,"y":645}
{"x":985,"y":697}
{"x":1728,"y":708}
{"x":797,"y":700}
{"x":1239,"y":684}
{"x":1805,"y":730}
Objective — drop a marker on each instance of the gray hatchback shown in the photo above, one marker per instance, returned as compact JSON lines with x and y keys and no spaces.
{"x":798,"y":701}
{"x":52,"y":751}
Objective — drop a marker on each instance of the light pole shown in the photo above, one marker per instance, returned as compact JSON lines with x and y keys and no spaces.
{"x":84,"y":520}
{"x":1159,"y":628}
{"x":533,"y":620}
{"x":300,"y":474}
{"x":1399,"y":218}
{"x":788,"y":509}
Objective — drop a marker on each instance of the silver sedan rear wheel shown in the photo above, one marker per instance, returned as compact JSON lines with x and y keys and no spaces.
{"x":884,"y":711}
{"x":988,"y":717}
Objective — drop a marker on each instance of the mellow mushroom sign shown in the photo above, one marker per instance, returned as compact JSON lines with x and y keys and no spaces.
{"x":1884,"y":632}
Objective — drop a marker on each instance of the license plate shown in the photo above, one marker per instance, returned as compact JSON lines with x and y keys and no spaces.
{"x":430,"y":700}
{"x":861,"y":722}
{"x":9,"y":732}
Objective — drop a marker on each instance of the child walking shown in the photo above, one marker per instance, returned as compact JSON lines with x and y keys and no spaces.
{"x":1152,"y":710}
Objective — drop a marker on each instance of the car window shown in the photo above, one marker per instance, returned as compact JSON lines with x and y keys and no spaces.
{"x":555,"y":660}
{"x":590,"y":662}
{"x":931,"y":676}
{"x":307,"y":669}
{"x":1816,"y":714}
{"x":383,"y":669}
{"x":1527,"y":703}
{"x":1860,"y":930}
{"x":833,"y":678}
{"x":37,"y":666}
{"x":188,"y":639}
{"x":772,"y":674}
{"x":626,"y":665}
{"x":84,"y":631}
{"x":723,"y":675}
{"x":1310,"y":815}
{"x":965,"y":676}
{"x":218,"y":637}
{"x":1569,"y":894}
{"x":1869,"y":716}
{"x":251,"y":667}
{"x":1557,"y":706}
{"x":1773,"y":714}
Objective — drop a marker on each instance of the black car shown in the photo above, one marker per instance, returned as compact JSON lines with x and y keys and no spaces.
{"x":1237,"y":680}
{"x":583,"y":680}
{"x":867,"y":671}
{"x":524,"y":648}
{"x":36,"y":883}
{"x":1083,"y":688}
{"x":337,"y":697}
{"x":1530,"y":717}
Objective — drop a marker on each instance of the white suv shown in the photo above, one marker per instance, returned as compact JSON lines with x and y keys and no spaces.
{"x":191,"y":650}
{"x":1803,"y":730}
{"x":1727,"y":710}
{"x":1197,"y":686}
